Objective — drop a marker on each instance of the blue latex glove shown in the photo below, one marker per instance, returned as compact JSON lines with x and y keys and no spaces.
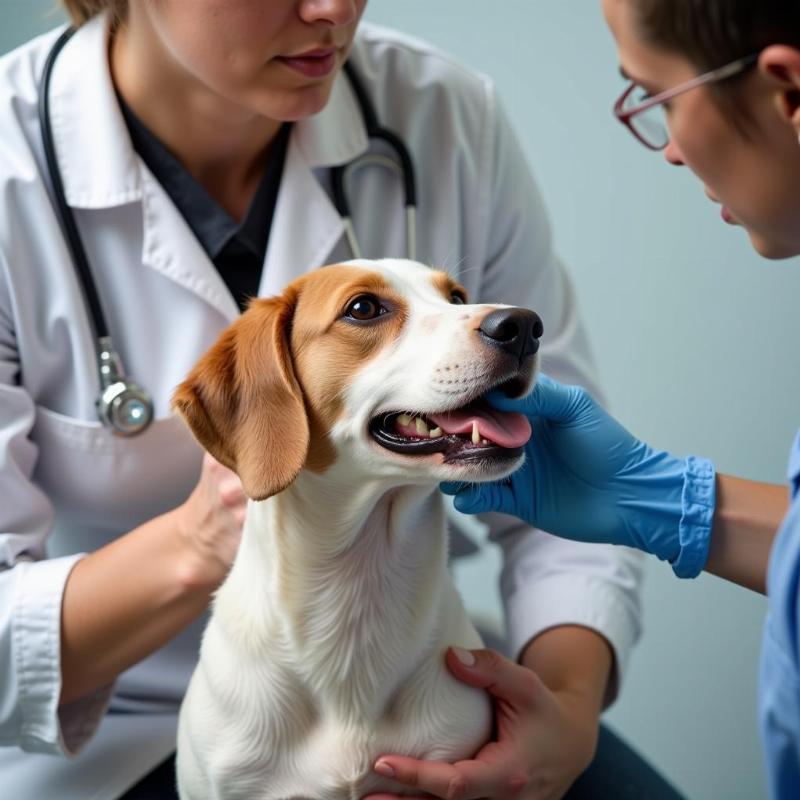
{"x":587,"y":478}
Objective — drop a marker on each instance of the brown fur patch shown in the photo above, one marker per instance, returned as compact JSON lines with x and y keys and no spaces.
{"x":265,"y":396}
{"x":447,"y":286}
{"x":242,"y":397}
{"x":328,"y":350}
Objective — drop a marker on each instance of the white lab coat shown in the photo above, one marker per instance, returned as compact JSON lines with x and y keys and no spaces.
{"x":68,"y":487}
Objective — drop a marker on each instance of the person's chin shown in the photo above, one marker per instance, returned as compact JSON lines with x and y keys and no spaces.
{"x":772,"y":249}
{"x":303,"y":103}
{"x":293,"y":105}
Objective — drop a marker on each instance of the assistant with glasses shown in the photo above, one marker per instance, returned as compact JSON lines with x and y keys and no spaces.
{"x":715,"y":86}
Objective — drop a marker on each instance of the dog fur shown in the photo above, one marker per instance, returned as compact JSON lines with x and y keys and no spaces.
{"x":326,"y":644}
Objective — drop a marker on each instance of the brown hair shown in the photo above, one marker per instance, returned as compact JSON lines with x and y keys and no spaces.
{"x":81,"y":11}
{"x":714,"y":32}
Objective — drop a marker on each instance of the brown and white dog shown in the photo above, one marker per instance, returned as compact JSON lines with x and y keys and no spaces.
{"x":341,"y":404}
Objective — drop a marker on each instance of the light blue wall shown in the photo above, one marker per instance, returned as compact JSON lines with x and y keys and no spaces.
{"x":22,"y":19}
{"x":692,"y":333}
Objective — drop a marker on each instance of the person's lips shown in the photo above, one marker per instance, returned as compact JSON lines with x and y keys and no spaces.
{"x":316,"y":63}
{"x":724,"y":211}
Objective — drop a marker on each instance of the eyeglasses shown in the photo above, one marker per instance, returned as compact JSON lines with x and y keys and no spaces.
{"x":643,"y":114}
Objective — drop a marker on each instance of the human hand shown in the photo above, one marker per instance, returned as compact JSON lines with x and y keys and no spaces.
{"x":544,"y":739}
{"x":587,"y":478}
{"x":210,"y":524}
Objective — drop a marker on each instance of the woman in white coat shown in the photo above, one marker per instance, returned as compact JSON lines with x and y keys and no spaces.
{"x":181,"y":131}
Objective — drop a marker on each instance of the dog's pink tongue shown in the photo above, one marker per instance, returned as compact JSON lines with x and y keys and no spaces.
{"x":506,"y":428}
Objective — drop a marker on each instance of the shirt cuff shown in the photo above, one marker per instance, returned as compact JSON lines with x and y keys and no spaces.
{"x":36,"y":637}
{"x":574,"y":600}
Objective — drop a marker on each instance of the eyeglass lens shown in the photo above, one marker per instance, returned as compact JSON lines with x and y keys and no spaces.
{"x":651,"y":124}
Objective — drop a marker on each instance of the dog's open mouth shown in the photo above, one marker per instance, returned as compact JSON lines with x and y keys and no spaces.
{"x":475,"y":431}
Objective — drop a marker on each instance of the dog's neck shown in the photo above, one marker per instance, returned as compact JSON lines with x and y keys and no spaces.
{"x":342,"y":585}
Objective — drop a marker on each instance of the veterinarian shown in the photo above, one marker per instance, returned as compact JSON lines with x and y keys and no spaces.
{"x":195,"y":142}
{"x":716,"y":87}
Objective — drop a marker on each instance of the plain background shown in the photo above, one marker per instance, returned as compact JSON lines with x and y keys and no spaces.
{"x":692,"y":332}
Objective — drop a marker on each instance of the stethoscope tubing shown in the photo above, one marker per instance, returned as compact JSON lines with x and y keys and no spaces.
{"x":63,"y":211}
{"x":124,"y":407}
{"x":404,"y":167}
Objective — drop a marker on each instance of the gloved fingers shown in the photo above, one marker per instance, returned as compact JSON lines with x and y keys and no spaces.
{"x":478,"y":498}
{"x":452,"y":487}
{"x":549,"y":399}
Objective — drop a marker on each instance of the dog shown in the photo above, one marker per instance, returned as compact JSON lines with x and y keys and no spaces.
{"x":341,"y":404}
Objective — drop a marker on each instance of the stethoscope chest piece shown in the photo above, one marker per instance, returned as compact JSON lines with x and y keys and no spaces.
{"x":123,"y":406}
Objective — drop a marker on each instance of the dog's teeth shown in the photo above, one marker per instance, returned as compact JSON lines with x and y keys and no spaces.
{"x":476,"y":436}
{"x":435,"y":433}
{"x":422,"y":426}
{"x":404,"y":419}
{"x":484,"y":441}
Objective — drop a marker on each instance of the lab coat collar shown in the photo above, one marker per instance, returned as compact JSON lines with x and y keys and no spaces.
{"x":98,"y":164}
{"x":100,"y":168}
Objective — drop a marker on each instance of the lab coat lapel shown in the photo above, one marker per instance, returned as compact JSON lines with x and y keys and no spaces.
{"x":170,"y":247}
{"x":306,"y":226}
{"x":100,"y":168}
{"x":97,"y":163}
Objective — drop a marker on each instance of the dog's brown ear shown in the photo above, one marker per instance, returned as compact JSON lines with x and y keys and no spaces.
{"x":242,"y":401}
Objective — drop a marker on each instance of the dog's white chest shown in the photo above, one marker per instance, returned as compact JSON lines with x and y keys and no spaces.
{"x":274,"y":741}
{"x":265,"y":726}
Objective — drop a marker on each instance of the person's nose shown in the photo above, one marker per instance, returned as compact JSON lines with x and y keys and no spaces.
{"x":673,"y":154}
{"x":515,"y":330}
{"x":331,"y":12}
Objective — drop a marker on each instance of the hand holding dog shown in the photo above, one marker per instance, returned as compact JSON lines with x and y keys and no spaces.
{"x":210,"y":524}
{"x":544,"y":741}
{"x":587,"y":478}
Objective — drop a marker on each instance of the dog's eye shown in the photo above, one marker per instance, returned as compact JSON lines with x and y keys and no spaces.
{"x":364,"y":307}
{"x":457,"y":297}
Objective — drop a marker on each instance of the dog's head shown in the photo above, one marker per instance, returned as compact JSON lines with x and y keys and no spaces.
{"x":375,"y":365}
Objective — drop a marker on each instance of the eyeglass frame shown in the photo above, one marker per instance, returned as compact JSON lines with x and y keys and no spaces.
{"x":720,"y":73}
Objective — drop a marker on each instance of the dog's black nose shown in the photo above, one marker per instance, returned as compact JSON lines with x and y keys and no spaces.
{"x":515,"y":330}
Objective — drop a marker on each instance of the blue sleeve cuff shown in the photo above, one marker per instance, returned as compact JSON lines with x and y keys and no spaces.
{"x":698,"y":501}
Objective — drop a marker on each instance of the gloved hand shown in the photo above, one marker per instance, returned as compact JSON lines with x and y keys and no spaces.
{"x":587,"y":478}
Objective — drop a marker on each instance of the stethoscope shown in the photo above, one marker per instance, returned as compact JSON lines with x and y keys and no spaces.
{"x":124,"y":407}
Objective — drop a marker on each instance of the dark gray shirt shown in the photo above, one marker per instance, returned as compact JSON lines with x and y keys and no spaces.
{"x":237,"y":249}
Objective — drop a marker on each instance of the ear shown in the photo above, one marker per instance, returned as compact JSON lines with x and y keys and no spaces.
{"x":243,"y":403}
{"x":780,"y":64}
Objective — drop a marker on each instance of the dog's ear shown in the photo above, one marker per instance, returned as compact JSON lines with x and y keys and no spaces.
{"x":243,"y":403}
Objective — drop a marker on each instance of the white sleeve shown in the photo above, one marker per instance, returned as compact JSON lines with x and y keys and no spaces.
{"x":547,"y":581}
{"x":31,"y":586}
